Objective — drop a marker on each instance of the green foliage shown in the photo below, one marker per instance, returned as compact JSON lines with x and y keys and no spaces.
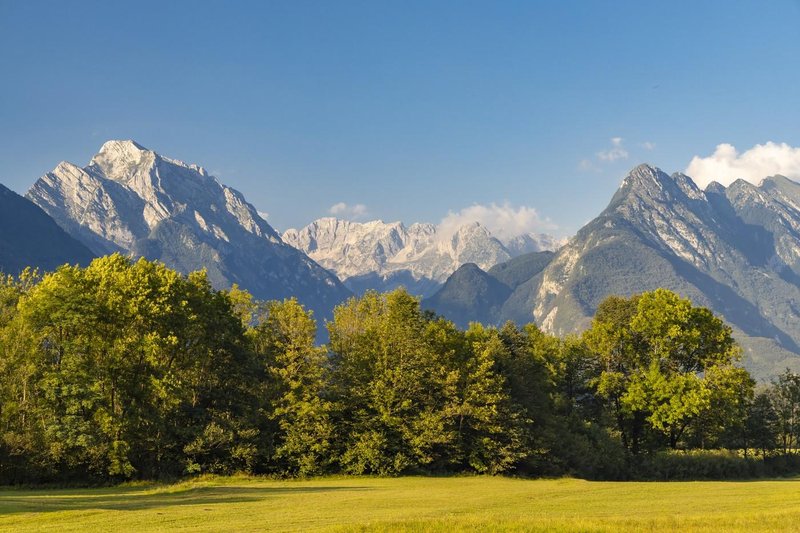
{"x":491,"y":429}
{"x":296,"y":374}
{"x":785,"y":401}
{"x":698,"y":464}
{"x":760,"y":424}
{"x":388,"y":385}
{"x":128,"y":370}
{"x":665,"y":365}
{"x":122,"y":366}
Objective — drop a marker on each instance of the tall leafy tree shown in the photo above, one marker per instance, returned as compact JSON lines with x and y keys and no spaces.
{"x":619,"y":353}
{"x":296,"y":371}
{"x":136,"y":363}
{"x":388,"y":384}
{"x":761,"y":423}
{"x":785,"y":399}
{"x":22,"y":446}
{"x":664,"y":362}
{"x":490,"y":429}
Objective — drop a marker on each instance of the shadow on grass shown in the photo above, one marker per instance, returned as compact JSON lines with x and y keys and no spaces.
{"x":136,"y":499}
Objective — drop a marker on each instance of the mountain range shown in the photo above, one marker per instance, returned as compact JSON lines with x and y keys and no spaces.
{"x":382,"y":256}
{"x":733,"y":249}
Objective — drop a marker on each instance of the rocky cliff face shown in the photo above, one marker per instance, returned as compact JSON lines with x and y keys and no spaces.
{"x":735,"y":250}
{"x":132,"y":200}
{"x":379,"y":255}
{"x":732,"y":250}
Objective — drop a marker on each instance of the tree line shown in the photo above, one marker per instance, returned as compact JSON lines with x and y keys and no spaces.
{"x":128,"y":370}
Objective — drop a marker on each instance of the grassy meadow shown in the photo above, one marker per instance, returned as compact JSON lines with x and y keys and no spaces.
{"x":408,"y":504}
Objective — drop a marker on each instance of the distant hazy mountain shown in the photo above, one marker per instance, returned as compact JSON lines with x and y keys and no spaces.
{"x":519,"y":270}
{"x":734,"y":250}
{"x":472,"y":295}
{"x":533,"y":242}
{"x":382,"y":256}
{"x":133,"y":200}
{"x":30,"y":238}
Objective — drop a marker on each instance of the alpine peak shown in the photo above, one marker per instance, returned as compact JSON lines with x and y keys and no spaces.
{"x":130,"y":199}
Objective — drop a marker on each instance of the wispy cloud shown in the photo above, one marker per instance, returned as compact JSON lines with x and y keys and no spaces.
{"x":649,"y":146}
{"x":503,"y":221}
{"x":615,"y":153}
{"x":726,"y":164}
{"x":344,"y":210}
{"x":617,"y":150}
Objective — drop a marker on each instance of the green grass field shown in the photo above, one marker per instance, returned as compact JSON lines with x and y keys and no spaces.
{"x":411,"y":503}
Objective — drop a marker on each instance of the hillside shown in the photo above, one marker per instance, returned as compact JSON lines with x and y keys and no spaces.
{"x":29,"y":237}
{"x":731,"y":249}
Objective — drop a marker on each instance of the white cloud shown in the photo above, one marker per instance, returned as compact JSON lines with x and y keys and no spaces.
{"x":263,"y":214}
{"x":503,"y":221}
{"x":647,"y":145}
{"x":355,"y":211}
{"x":726,"y":164}
{"x":617,"y":151}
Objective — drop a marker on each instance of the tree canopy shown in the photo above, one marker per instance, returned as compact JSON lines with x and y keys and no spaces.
{"x":128,"y":370}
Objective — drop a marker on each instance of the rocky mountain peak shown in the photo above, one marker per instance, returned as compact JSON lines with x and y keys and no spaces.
{"x":133,"y":200}
{"x":648,"y":185}
{"x":688,"y":186}
{"x":122,"y":146}
{"x":780,"y":180}
{"x":470,"y":230}
{"x":743,"y":191}
{"x":122,"y":160}
{"x":715,"y":187}
{"x":421,"y":256}
{"x":645,"y":177}
{"x":783,"y":186}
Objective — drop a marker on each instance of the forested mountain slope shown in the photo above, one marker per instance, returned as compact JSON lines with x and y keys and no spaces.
{"x":30,"y":238}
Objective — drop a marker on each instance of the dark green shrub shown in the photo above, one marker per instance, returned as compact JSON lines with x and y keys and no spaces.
{"x":697,"y":465}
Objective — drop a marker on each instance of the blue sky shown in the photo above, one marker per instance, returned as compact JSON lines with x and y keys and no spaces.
{"x":412,"y":109}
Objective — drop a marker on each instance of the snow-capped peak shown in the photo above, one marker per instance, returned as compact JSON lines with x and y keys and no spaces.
{"x":127,"y":191}
{"x":130,"y":199}
{"x":422,"y":251}
{"x":120,"y":159}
